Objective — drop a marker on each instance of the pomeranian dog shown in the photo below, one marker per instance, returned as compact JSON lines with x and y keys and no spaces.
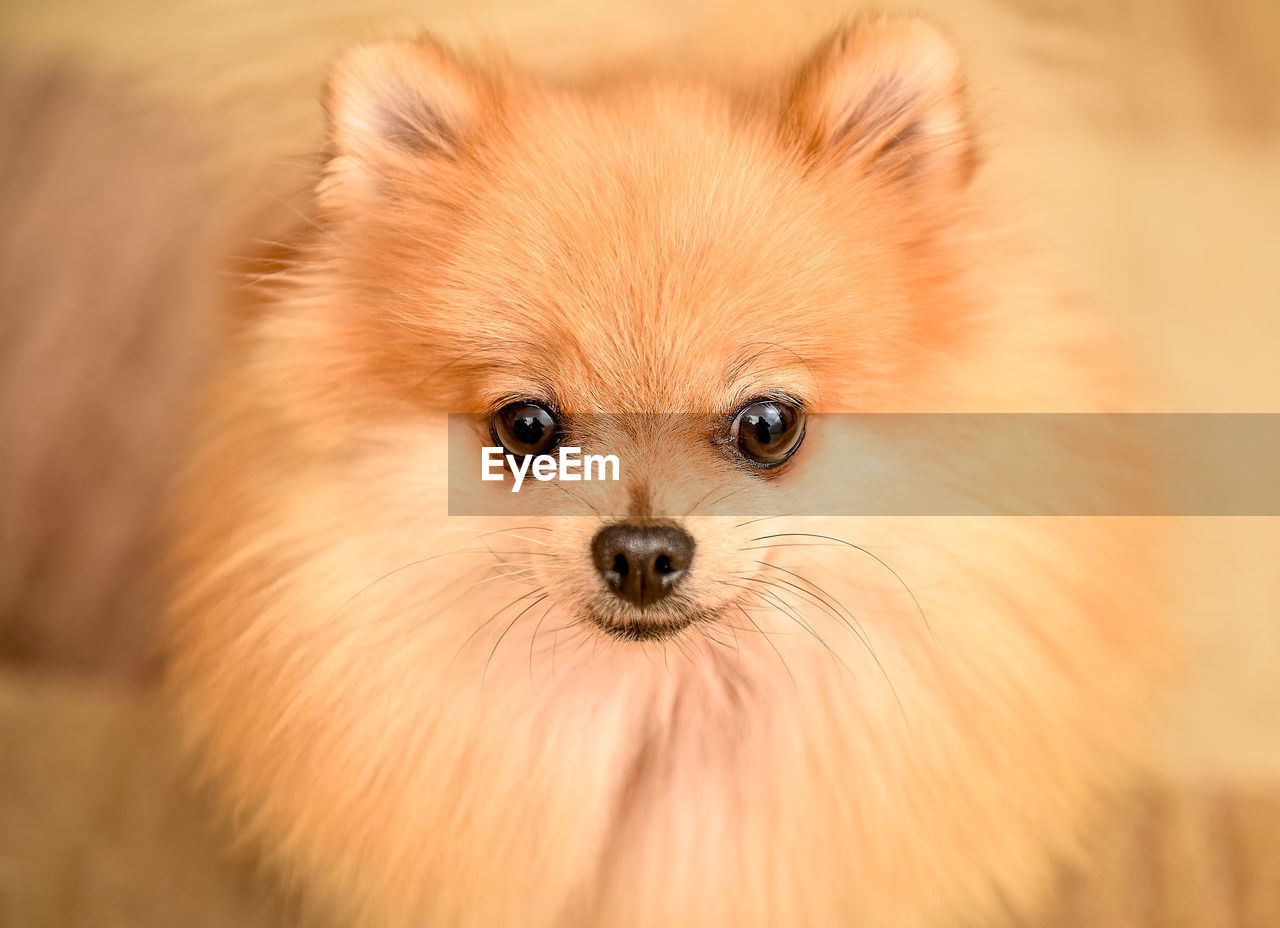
{"x":644,"y":714}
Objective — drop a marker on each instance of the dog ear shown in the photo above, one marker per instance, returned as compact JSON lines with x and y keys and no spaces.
{"x":885,"y":96}
{"x":396,"y":105}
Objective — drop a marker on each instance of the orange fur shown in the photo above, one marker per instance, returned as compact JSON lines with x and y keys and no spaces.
{"x":417,"y":721}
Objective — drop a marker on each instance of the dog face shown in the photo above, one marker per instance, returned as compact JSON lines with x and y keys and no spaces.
{"x":588,"y":258}
{"x":626,"y":705}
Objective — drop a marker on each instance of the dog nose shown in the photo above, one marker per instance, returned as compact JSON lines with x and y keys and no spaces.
{"x":642,"y":563}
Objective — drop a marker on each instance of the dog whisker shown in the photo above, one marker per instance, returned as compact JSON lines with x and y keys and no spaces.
{"x":511,"y":625}
{"x":832,"y":606}
{"x":769,"y":641}
{"x":534,"y":637}
{"x":823,"y":599}
{"x":840,"y":541}
{"x":795,"y":616}
{"x":475,"y":631}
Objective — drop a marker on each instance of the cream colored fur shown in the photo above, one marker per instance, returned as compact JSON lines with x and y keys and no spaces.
{"x":406,"y":710}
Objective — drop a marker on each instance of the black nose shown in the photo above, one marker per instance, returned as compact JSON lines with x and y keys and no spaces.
{"x":642,"y":563}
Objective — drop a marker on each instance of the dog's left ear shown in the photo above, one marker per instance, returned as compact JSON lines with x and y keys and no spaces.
{"x":885,"y":96}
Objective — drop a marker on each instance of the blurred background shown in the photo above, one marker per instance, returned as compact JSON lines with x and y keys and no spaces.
{"x":143,"y":144}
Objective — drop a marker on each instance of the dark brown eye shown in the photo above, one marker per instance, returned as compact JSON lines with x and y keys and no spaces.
{"x":525,"y":428}
{"x":768,"y":432}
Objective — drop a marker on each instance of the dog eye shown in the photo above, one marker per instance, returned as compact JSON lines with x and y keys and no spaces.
{"x":525,"y":428}
{"x":768,"y":432}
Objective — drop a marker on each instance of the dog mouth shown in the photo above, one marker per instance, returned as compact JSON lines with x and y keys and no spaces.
{"x":633,"y":629}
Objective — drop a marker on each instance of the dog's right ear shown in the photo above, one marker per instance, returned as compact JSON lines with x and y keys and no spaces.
{"x":396,"y":106}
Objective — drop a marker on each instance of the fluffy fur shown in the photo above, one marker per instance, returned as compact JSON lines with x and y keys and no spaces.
{"x":409,"y":712}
